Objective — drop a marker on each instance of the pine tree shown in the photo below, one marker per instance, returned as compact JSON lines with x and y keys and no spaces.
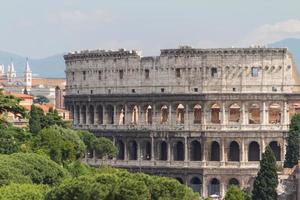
{"x":265,"y":184}
{"x":34,"y":120}
{"x":292,"y":149}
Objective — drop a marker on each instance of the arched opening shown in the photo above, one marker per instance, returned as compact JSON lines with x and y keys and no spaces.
{"x":214,"y":187}
{"x":196,"y":184}
{"x":179,"y":179}
{"x":100,"y":114}
{"x":195,"y":151}
{"x":91,"y":114}
{"x":215,"y":114}
{"x":83,"y":114}
{"x":274,"y":114}
{"x":215,"y":151}
{"x":110,"y":114}
{"x":149,"y":115}
{"x":178,"y":151}
{"x":276,"y":150}
{"x":164,"y":114}
{"x":121,"y":114}
{"x":146,"y":150}
{"x":197,"y":114}
{"x":233,"y":182}
{"x":180,"y":114}
{"x":234,"y":113}
{"x":254,"y":114}
{"x":121,"y":152}
{"x":132,"y":145}
{"x":234,"y":151}
{"x":135,"y":115}
{"x":78,"y":114}
{"x":253,"y":152}
{"x":163,"y":151}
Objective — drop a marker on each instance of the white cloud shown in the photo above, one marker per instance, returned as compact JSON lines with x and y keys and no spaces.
{"x":269,"y":33}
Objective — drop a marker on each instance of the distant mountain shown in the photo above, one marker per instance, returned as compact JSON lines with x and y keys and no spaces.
{"x":52,"y":66}
{"x":293,"y":45}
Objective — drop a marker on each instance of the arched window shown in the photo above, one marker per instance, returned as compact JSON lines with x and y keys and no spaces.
{"x":234,"y":113}
{"x":253,"y":152}
{"x":121,"y":152}
{"x":163,"y":151}
{"x":215,"y":114}
{"x":180,"y":114}
{"x":149,"y":115}
{"x":274,"y":114}
{"x":178,"y":151}
{"x":196,"y":184}
{"x":197,"y":114}
{"x":132,"y":145}
{"x":164,"y":114}
{"x":91,"y":114}
{"x":254,"y":114}
{"x":135,"y":115}
{"x":234,"y":151}
{"x":215,"y":151}
{"x":214,"y":187}
{"x":195,"y":151}
{"x":100,"y":114}
{"x":234,"y":182}
{"x":276,"y":149}
{"x":83,"y":114}
{"x":146,"y":150}
{"x":110,"y":114}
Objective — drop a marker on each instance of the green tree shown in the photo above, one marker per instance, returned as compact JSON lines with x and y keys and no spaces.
{"x":23,"y":192}
{"x":234,"y":193}
{"x":34,"y":120}
{"x":265,"y":184}
{"x":292,"y":149}
{"x":40,"y":99}
{"x":104,"y":147}
{"x":52,"y":118}
{"x":10,"y":104}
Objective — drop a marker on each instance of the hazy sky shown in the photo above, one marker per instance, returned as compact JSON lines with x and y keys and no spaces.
{"x":39,"y":28}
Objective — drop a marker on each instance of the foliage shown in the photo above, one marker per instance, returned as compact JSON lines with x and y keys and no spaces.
{"x":265,"y":184}
{"x":23,"y":192}
{"x":235,"y":193}
{"x":52,"y":118}
{"x":292,"y":149}
{"x":62,"y":145}
{"x":35,"y":120}
{"x":10,"y":104}
{"x":12,"y":139}
{"x":40,"y":99}
{"x":29,"y":167}
{"x":115,"y":184}
{"x":77,"y":168}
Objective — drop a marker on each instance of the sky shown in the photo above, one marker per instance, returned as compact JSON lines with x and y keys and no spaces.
{"x":40,"y":28}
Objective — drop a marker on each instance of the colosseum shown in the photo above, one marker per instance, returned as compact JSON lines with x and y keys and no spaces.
{"x":202,"y":116}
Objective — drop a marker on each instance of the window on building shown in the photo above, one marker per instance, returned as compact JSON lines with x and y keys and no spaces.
{"x":195,"y":89}
{"x":162,"y":89}
{"x":147,"y":73}
{"x":121,"y":74}
{"x":177,"y":72}
{"x":84,"y":75}
{"x":133,"y":90}
{"x":73,"y":76}
{"x":254,"y":71}
{"x":214,"y":72}
{"x":99,"y":75}
{"x":91,"y":91}
{"x":109,"y":91}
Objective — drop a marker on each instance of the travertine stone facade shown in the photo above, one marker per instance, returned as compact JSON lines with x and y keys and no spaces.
{"x":203,"y":116}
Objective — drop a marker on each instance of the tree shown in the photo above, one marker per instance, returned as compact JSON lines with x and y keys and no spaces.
{"x":40,"y":99}
{"x":52,"y":118}
{"x":234,"y":193}
{"x":10,"y":104}
{"x":104,"y":147}
{"x":35,"y":120}
{"x":292,"y":149}
{"x":265,"y":184}
{"x":23,"y":191}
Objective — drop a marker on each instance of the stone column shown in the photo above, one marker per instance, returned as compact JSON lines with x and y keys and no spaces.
{"x":125,"y":150}
{"x":204,"y":114}
{"x":155,"y":121}
{"x":263,"y":145}
{"x":127,"y":116}
{"x":186,"y":159}
{"x":285,"y":114}
{"x":186,"y":120}
{"x":243,"y":158}
{"x":264,"y":114}
{"x":87,"y":114}
{"x":80,"y":115}
{"x":224,"y":120}
{"x":204,"y":150}
{"x":75,"y":116}
{"x":204,"y":187}
{"x":139,"y":150}
{"x":104,"y":115}
{"x":96,"y":119}
{"x":170,"y":115}
{"x":244,"y":114}
{"x":152,"y":149}
{"x":116,"y":121}
{"x":223,"y":154}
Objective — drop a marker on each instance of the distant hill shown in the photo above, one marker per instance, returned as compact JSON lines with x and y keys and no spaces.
{"x":52,"y":66}
{"x":293,"y":45}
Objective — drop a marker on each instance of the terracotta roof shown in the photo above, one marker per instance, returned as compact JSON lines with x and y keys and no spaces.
{"x":61,"y":82}
{"x":19,"y":95}
{"x":44,"y":107}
